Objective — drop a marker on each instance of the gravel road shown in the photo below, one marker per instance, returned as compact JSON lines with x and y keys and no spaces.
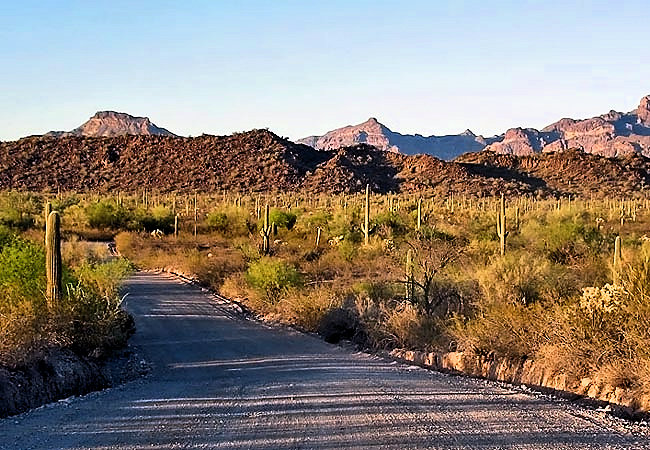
{"x":218,"y":381}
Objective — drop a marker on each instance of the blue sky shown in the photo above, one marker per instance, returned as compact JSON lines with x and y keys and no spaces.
{"x":305,"y":67}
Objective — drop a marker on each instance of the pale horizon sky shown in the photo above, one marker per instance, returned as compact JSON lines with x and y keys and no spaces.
{"x":301,"y":68}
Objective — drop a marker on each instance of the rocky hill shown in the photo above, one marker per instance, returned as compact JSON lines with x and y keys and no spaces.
{"x":611,"y":134}
{"x":111,"y":123}
{"x":374,"y":133}
{"x":260,"y":161}
{"x":565,"y":172}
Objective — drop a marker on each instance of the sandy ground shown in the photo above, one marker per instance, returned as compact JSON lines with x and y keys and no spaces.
{"x":218,"y":381}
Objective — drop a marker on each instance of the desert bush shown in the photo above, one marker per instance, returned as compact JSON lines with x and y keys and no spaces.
{"x":22,"y":272}
{"x":272,"y":277}
{"x":283,"y":219}
{"x":160,"y":218}
{"x":306,"y":308}
{"x":87,"y":318}
{"x":517,"y":279}
{"x":105,"y":214}
{"x":218,"y":221}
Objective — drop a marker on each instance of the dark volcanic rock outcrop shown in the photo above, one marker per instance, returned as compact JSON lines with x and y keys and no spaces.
{"x":260,"y":161}
{"x":567,"y":172}
{"x":255,"y":161}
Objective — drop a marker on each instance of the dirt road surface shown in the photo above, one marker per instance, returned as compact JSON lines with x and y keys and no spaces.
{"x":218,"y":381}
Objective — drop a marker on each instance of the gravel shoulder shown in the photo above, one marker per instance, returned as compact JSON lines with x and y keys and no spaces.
{"x":220,"y":381}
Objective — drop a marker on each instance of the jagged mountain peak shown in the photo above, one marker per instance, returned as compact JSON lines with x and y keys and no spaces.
{"x":643,"y":111}
{"x":375,"y":133}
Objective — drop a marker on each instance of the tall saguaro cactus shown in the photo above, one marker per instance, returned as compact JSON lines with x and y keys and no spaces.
{"x":266,"y":231}
{"x":419,"y":214}
{"x":366,"y":220}
{"x":53,"y":258}
{"x":501,"y":225}
{"x":618,"y":256}
{"x":410,"y":285}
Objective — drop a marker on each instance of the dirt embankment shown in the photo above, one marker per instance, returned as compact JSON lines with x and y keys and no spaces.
{"x":61,"y":374}
{"x":626,"y":402}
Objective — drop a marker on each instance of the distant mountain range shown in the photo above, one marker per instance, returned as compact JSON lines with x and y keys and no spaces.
{"x":111,"y":123}
{"x":373,"y":133}
{"x":611,"y":134}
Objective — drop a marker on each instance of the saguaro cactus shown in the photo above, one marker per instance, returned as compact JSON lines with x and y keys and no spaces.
{"x":53,"y":258}
{"x":618,"y":256}
{"x":48,"y":210}
{"x":419,"y":225}
{"x":266,"y":232}
{"x":176,"y":225}
{"x":318,"y":233}
{"x":366,"y":221}
{"x":501,"y":225}
{"x":410,"y":286}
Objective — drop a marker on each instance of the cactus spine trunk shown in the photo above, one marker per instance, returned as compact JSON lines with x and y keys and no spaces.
{"x":501,"y":225}
{"x":266,"y":232}
{"x":53,"y":258}
{"x":409,"y":276}
{"x":366,"y":217}
{"x":618,"y":256}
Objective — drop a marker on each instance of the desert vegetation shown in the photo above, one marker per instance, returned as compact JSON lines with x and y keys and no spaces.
{"x":562,"y":281}
{"x":55,"y":293}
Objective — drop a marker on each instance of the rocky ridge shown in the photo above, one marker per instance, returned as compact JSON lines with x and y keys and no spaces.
{"x":260,"y":161}
{"x":611,"y":134}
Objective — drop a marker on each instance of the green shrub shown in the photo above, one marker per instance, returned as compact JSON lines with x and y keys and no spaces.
{"x":272,"y":277}
{"x":218,"y":221}
{"x":22,"y":273}
{"x":105,"y":214}
{"x":389,"y":223}
{"x":283,"y":219}
{"x":160,"y":218}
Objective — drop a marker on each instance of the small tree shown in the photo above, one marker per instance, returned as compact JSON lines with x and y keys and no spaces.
{"x":428,"y":258}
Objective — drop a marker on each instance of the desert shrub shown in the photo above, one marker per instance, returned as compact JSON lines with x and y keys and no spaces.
{"x":105,"y":214}
{"x":348,"y":249}
{"x":15,"y":218}
{"x":92,"y":322}
{"x":88,"y":316}
{"x":306,"y":308}
{"x":160,"y":218}
{"x":511,"y":330}
{"x":431,"y":233}
{"x":217,"y":221}
{"x":272,"y":277}
{"x":518,"y":279}
{"x":318,"y":219}
{"x":103,"y":278}
{"x":389,"y":224}
{"x":127,"y":243}
{"x":283,"y":219}
{"x":22,"y":272}
{"x":408,"y":328}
